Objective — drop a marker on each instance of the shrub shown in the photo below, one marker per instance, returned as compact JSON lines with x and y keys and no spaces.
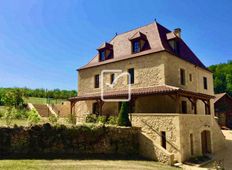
{"x":101,"y":119}
{"x":112,"y":120}
{"x":2,"y":113}
{"x":91,"y":118}
{"x":53,"y":118}
{"x":21,"y":114}
{"x":10,"y":115}
{"x":72,"y":119}
{"x":123,"y":117}
{"x":33,"y":117}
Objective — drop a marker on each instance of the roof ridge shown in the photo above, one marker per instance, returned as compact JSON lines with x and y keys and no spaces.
{"x":135,"y":29}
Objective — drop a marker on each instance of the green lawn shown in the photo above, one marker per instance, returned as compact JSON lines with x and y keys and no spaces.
{"x":37,"y":100}
{"x":20,"y":122}
{"x":81,"y":165}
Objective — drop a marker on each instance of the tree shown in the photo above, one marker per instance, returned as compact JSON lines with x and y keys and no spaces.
{"x":13,"y":98}
{"x":123,"y":117}
{"x":222,"y":74}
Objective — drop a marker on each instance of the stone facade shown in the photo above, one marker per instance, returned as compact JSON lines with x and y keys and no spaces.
{"x":145,"y":67}
{"x":150,"y":70}
{"x":158,"y":66}
{"x":178,"y":128}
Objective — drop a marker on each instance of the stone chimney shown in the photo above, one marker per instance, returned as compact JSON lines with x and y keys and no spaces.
{"x":177,"y":31}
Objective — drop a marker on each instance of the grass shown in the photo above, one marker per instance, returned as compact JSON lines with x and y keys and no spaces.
{"x":37,"y":100}
{"x":58,"y":164}
{"x":22,"y":122}
{"x":2,"y":108}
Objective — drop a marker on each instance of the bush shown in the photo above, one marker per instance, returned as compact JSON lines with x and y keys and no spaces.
{"x":21,"y":114}
{"x":101,"y":119}
{"x":49,"y":141}
{"x":33,"y":117}
{"x":2,"y":113}
{"x":91,"y":118}
{"x":53,"y":118}
{"x":71,"y":119}
{"x":10,"y":115}
{"x":123,"y":117}
{"x":112,"y":120}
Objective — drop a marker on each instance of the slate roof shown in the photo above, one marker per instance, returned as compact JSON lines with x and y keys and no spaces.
{"x":157,"y":36}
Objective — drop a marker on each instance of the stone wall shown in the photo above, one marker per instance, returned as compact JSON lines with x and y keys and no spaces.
{"x":61,"y":140}
{"x":145,"y":67}
{"x":192,"y":124}
{"x":178,"y":128}
{"x":149,"y":149}
{"x":151,"y":70}
{"x":153,"y":123}
{"x":172,"y":67}
{"x":63,"y":109}
{"x":195,"y":125}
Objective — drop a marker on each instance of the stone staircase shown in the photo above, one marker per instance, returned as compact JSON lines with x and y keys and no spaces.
{"x":154,"y":150}
{"x":42,"y":109}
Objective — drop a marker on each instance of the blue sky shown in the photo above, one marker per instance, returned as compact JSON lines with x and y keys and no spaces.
{"x":42,"y":42}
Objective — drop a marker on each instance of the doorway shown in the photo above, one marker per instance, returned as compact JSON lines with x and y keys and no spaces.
{"x":206,"y":142}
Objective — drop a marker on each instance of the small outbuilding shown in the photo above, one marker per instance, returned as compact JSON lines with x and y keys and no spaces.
{"x":223,"y":109}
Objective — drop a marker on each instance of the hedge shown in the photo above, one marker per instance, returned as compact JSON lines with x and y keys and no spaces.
{"x":46,"y":139}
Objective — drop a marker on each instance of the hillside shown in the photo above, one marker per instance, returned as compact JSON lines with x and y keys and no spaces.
{"x":222,"y":74}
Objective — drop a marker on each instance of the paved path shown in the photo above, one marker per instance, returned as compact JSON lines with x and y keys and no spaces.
{"x":226,"y":154}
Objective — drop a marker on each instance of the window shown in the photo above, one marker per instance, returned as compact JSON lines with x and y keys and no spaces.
{"x":190,"y":77}
{"x":136,"y":46}
{"x":175,"y":46}
{"x":205,"y":83}
{"x":106,"y":52}
{"x":131,"y":72}
{"x":191,"y":144}
{"x":163,"y":139}
{"x":102,"y":55}
{"x":112,"y":78}
{"x":184,"y":106}
{"x":140,"y":44}
{"x":96,"y":81}
{"x":182,"y":76}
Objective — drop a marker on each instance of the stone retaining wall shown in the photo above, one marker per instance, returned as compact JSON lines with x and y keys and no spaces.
{"x":60,"y":140}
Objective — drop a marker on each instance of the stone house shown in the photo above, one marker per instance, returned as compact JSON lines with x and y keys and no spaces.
{"x":223,"y":109}
{"x":171,"y":92}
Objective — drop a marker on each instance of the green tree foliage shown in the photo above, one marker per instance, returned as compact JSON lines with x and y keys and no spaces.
{"x":13,"y":98}
{"x":123,"y":117}
{"x":42,"y":93}
{"x":10,"y":115}
{"x":222,"y":74}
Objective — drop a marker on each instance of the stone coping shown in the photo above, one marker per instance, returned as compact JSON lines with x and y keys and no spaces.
{"x":167,"y":114}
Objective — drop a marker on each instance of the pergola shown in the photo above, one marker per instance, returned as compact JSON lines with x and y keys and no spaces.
{"x":173,"y":92}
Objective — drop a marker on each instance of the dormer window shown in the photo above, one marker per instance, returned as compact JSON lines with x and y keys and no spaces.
{"x":139,"y":42}
{"x":102,"y":55}
{"x":174,"y":43}
{"x":105,"y":52}
{"x":136,"y":46}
